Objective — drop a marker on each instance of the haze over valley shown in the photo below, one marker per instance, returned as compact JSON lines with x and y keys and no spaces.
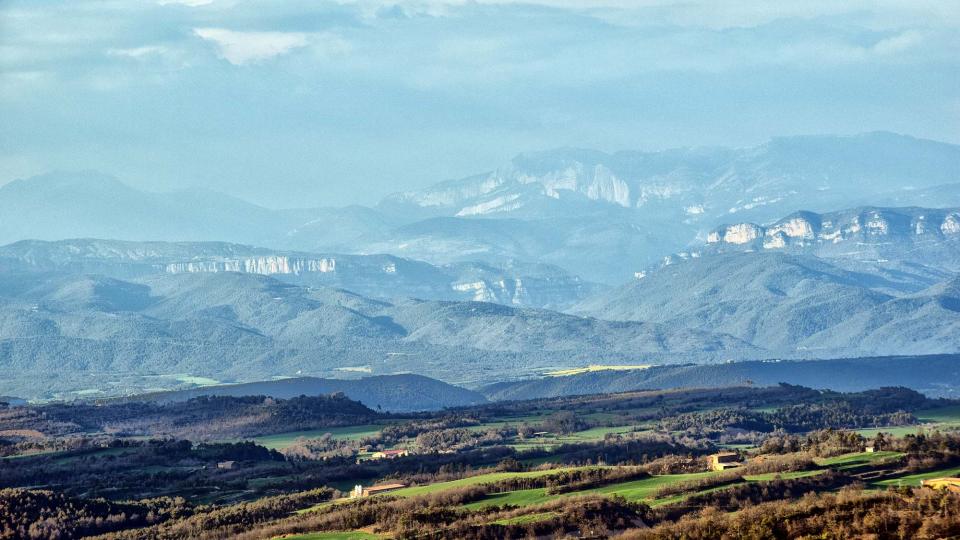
{"x":435,"y":269}
{"x":630,"y":258}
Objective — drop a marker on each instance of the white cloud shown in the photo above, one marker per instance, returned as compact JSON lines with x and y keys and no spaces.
{"x":189,"y":3}
{"x":898,"y":43}
{"x":137,"y":52}
{"x":241,"y":48}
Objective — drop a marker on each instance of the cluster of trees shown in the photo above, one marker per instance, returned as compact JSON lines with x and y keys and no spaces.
{"x":20,"y":445}
{"x":923,"y":514}
{"x":451,"y":446}
{"x":924,"y":450}
{"x":821,"y":443}
{"x":583,"y":479}
{"x":589,"y":517}
{"x":125,"y":468}
{"x":440,"y":516}
{"x":214,"y":521}
{"x":202,"y":418}
{"x":320,"y":448}
{"x":756,"y":466}
{"x":802,"y":417}
{"x":458,"y":439}
{"x":45,"y":514}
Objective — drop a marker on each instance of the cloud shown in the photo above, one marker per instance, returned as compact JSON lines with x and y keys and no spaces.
{"x":137,"y":52}
{"x":188,"y":3}
{"x":441,"y":88}
{"x":900,"y":42}
{"x":241,"y":48}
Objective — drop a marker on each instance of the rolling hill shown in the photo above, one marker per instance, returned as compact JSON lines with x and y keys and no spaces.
{"x":90,"y":334}
{"x":934,"y":375}
{"x":382,"y":276}
{"x":791,"y":305}
{"x":398,"y":393}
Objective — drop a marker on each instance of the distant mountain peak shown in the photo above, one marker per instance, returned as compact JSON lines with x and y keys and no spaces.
{"x":863,"y":223}
{"x":779,"y":172}
{"x":62,"y":180}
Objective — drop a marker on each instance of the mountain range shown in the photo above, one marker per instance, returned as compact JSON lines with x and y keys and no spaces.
{"x":394,"y":393}
{"x":380,"y":276}
{"x":933,"y":375}
{"x":866,"y":281}
{"x":801,"y":248}
{"x":911,"y":247}
{"x":78,"y":334}
{"x":596,"y":215}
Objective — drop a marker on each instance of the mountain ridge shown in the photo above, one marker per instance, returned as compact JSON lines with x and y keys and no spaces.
{"x":383,"y":276}
{"x":72,"y":333}
{"x":795,"y":305}
{"x":397,"y":393}
{"x":597,"y":215}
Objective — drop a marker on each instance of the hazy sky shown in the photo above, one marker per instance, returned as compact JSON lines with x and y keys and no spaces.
{"x":313,"y":103}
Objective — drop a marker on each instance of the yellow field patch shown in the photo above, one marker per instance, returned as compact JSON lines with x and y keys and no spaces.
{"x":595,"y":367}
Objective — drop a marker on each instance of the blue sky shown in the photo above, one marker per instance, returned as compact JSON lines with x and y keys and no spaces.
{"x":325,"y":103}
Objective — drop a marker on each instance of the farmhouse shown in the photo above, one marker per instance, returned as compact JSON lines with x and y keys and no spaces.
{"x":227,"y":465}
{"x":390,"y":454}
{"x":724,"y":460}
{"x":946,"y":483}
{"x":360,"y":491}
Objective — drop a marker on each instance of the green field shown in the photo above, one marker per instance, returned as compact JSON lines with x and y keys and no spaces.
{"x":943,"y":415}
{"x":913,"y":480}
{"x":283,"y":440}
{"x":35,"y":454}
{"x":634,"y":490}
{"x":523,"y":497}
{"x":527,"y":518}
{"x":594,"y":367}
{"x":943,"y":418}
{"x":518,"y":498}
{"x":638,"y":490}
{"x":474,"y":481}
{"x":595,"y":434}
{"x":642,"y":490}
{"x":856,"y":459}
{"x":783,"y":476}
{"x":337,"y":535}
{"x":896,"y":431}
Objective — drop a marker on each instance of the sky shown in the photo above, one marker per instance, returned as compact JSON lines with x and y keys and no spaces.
{"x":313,"y":103}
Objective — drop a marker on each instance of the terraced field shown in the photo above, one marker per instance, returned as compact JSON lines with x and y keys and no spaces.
{"x":783,"y":476}
{"x":284,"y":440}
{"x":550,"y":441}
{"x":943,"y":418}
{"x":913,"y":480}
{"x":645,"y":489}
{"x":527,"y":518}
{"x":634,"y":490}
{"x":475,"y":481}
{"x":594,"y":368}
{"x":338,"y":535}
{"x":856,"y":459}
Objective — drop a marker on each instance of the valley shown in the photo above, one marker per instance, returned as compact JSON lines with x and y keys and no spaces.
{"x":479,"y":270}
{"x":635,"y":462}
{"x":556,"y":261}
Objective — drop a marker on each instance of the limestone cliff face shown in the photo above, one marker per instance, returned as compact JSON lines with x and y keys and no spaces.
{"x":598,"y":183}
{"x":267,"y":265}
{"x":863,"y":224}
{"x":378,"y":276}
{"x":740,"y":233}
{"x":502,"y":291}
